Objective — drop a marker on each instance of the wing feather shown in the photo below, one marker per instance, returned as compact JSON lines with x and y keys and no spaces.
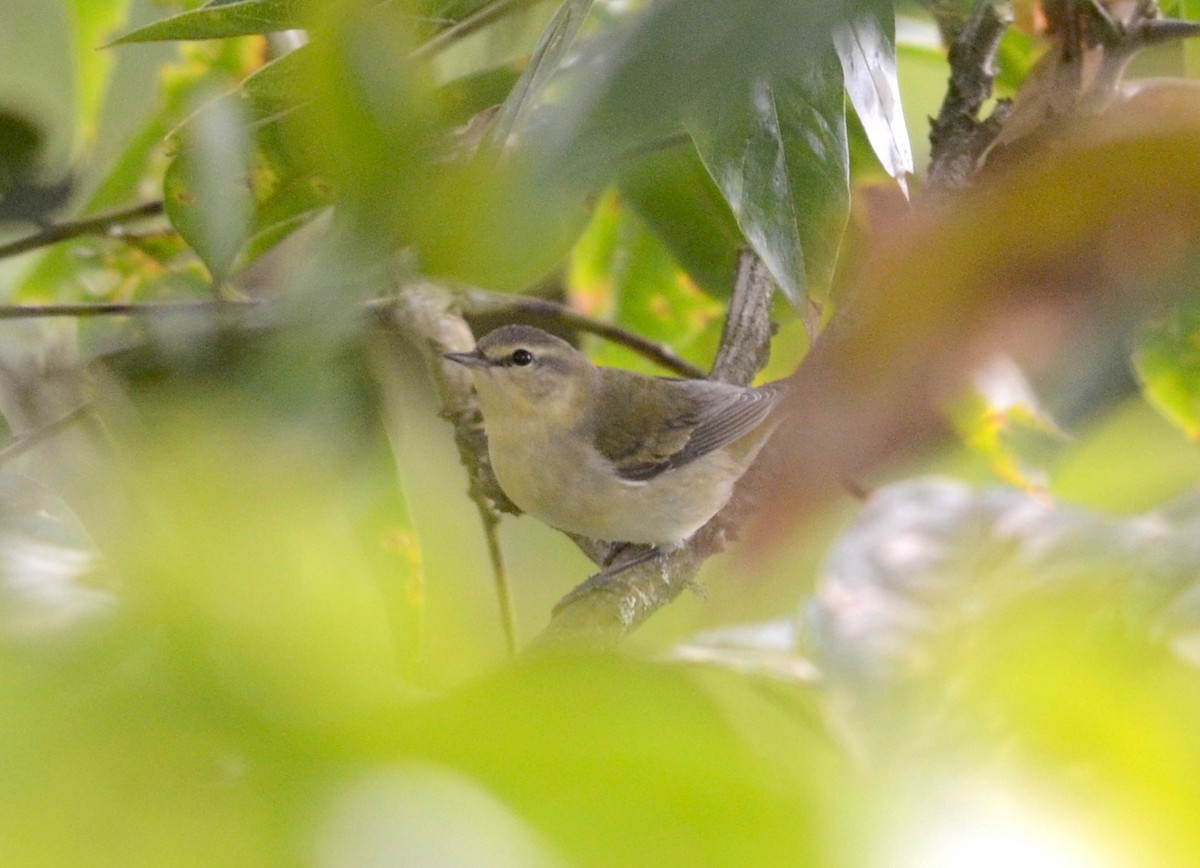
{"x":644,"y":436}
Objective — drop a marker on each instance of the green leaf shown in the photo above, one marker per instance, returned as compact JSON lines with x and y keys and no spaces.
{"x":781,"y":160}
{"x":620,"y":271}
{"x":549,"y":53}
{"x":93,"y":21}
{"x":1167,"y":361}
{"x":657,"y":747}
{"x":38,"y":84}
{"x":867,"y":50}
{"x":504,"y":41}
{"x":1190,"y":9}
{"x":206,"y":187}
{"x":636,"y":84}
{"x":672,"y":192}
{"x":243,"y":18}
{"x":284,"y":190}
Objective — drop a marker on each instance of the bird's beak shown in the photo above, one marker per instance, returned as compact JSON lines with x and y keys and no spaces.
{"x":473,"y":359}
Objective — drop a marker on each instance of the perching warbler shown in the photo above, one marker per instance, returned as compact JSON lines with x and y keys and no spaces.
{"x":607,"y":453}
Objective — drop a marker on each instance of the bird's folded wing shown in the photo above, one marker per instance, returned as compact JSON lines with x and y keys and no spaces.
{"x":645,"y":436}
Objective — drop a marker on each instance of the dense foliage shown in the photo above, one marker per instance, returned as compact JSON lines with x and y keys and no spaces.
{"x":246,"y":608}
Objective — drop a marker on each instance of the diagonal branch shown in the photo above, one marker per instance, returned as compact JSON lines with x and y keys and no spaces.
{"x":109,"y":223}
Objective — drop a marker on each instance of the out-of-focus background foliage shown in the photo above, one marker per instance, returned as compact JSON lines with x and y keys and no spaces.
{"x":246,"y":613}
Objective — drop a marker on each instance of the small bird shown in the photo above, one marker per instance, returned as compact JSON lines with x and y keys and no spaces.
{"x":611,"y":454}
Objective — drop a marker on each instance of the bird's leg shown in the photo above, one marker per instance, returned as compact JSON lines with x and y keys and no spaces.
{"x":623,"y":556}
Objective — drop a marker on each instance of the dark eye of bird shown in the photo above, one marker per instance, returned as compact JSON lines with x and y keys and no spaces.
{"x":522,"y":357}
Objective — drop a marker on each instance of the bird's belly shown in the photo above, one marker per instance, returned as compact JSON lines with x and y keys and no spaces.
{"x":577,"y":490}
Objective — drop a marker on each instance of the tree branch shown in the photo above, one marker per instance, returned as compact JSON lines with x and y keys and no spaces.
{"x":122,"y":308}
{"x":102,"y":224}
{"x":472,"y":301}
{"x":958,"y":136}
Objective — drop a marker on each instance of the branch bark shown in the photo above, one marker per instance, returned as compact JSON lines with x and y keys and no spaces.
{"x":958,"y":136}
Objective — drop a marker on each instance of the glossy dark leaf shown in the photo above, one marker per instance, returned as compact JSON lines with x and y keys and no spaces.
{"x":635,"y":86}
{"x":781,"y":160}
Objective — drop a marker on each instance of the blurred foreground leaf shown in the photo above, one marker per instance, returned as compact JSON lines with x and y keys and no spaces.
{"x":205,"y":188}
{"x":1043,"y":260}
{"x":1167,"y":359}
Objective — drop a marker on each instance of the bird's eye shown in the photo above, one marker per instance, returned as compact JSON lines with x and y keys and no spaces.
{"x":522,"y":357}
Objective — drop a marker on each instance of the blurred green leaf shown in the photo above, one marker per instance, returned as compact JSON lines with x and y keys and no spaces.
{"x":285,"y":607}
{"x":206,"y":187}
{"x":782,"y":162}
{"x":1018,"y":53}
{"x":556,"y":41}
{"x":276,"y":180}
{"x":287,"y":190}
{"x":93,"y":21}
{"x":656,"y":750}
{"x":221,"y":21}
{"x":1002,"y":419}
{"x":39,"y":79}
{"x":505,"y":40}
{"x":1190,"y":9}
{"x":1167,"y":361}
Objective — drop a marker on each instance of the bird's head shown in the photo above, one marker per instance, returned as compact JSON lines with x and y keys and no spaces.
{"x":520,"y":369}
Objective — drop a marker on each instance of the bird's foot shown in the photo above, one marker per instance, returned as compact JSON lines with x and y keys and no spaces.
{"x":622,"y":558}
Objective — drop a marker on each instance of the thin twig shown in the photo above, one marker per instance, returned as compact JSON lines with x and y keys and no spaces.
{"x":101,"y":224}
{"x":472,"y":301}
{"x":490,"y":520}
{"x":479,"y":302}
{"x":122,"y":308}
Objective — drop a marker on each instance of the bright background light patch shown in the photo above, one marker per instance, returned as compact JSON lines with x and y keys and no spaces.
{"x":996,"y":831}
